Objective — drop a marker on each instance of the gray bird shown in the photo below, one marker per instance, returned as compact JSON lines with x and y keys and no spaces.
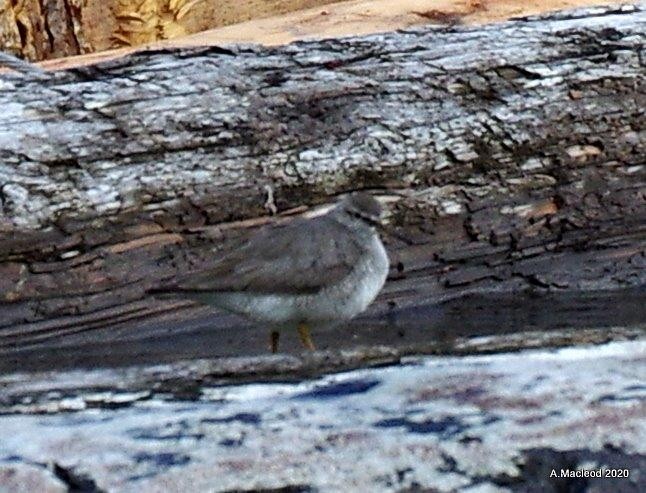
{"x":310,"y":272}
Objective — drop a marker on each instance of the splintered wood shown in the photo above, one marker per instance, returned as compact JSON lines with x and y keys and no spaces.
{"x":48,"y":29}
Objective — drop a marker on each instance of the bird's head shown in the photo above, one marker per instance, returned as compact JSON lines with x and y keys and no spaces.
{"x":362,"y":206}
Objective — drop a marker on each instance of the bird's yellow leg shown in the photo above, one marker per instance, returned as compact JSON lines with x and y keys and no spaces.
{"x":306,"y":339}
{"x":274,"y":335}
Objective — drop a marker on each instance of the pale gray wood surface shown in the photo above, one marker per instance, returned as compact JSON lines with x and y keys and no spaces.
{"x":494,"y":423}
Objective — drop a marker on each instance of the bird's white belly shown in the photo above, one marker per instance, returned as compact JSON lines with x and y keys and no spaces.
{"x":340,"y":301}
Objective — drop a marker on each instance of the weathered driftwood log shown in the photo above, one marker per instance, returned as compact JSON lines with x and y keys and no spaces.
{"x":516,"y":152}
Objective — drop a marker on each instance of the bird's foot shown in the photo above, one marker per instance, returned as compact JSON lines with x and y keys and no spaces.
{"x":274,"y":335}
{"x":306,"y":338}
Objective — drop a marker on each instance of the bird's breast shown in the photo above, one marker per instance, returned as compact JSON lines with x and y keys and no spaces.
{"x":354,"y":293}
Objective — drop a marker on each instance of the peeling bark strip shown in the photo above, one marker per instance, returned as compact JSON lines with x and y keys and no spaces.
{"x":519,"y":148}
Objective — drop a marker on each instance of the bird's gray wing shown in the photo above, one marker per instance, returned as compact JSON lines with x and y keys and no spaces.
{"x":302,"y":257}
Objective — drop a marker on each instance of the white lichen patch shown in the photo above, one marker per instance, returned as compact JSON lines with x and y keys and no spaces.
{"x":532,"y":164}
{"x":583,"y":152}
{"x":634,"y":169}
{"x":452,"y":207}
{"x":69,"y":254}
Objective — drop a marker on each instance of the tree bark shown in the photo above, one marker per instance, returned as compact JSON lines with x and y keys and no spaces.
{"x":511,"y":156}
